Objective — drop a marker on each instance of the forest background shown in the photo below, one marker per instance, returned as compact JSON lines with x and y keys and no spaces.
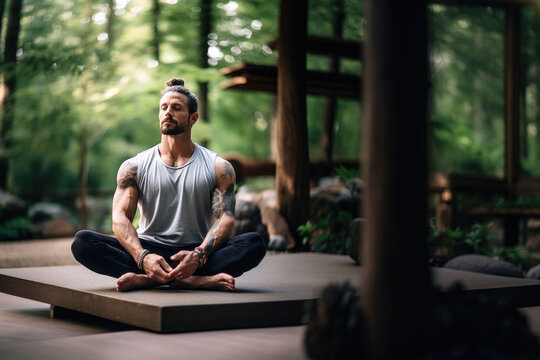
{"x":89,"y":73}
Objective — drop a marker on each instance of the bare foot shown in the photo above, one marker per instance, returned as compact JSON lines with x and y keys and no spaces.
{"x":222,"y":281}
{"x":130,"y":281}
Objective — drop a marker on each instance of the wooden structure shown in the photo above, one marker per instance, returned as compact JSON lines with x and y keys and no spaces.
{"x":513,"y":184}
{"x":394,"y":253}
{"x":292,"y":82}
{"x":292,"y":157}
{"x":274,"y":293}
{"x":264,"y":78}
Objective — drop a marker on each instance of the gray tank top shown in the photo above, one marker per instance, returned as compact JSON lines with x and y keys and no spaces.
{"x":175,"y":203}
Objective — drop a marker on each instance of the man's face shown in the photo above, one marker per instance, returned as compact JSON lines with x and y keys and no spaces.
{"x":174,"y":116}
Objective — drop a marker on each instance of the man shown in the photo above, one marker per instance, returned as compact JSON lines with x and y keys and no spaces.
{"x":185,"y":195}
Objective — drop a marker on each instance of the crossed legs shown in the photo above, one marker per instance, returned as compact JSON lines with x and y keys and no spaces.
{"x":105,"y":255}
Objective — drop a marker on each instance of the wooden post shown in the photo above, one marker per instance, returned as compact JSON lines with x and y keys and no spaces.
{"x":395,"y":271}
{"x":292,"y":158}
{"x":331,"y":101}
{"x":512,"y":148}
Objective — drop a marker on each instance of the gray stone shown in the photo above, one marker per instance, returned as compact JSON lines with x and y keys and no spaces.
{"x":355,"y":231}
{"x":10,"y":205}
{"x":56,"y":227}
{"x":50,"y":220}
{"x":533,"y":273}
{"x":484,"y":264}
{"x":45,"y":211}
{"x":277,"y":243}
{"x":248,"y":219}
{"x":266,"y":201}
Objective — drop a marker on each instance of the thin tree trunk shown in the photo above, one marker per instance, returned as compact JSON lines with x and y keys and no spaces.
{"x":83,"y":176}
{"x":10,"y":81}
{"x":2,"y":8}
{"x":395,"y":275}
{"x":83,"y":138}
{"x":292,"y":157}
{"x":111,"y":21}
{"x":155,"y":29}
{"x":331,"y":102}
{"x":205,"y":29}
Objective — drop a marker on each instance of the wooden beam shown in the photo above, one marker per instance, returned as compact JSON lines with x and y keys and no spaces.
{"x":512,"y":64}
{"x":330,"y":46}
{"x":264,"y":78}
{"x":483,"y":2}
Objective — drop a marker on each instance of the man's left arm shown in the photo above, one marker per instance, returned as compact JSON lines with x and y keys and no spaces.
{"x":223,"y":205}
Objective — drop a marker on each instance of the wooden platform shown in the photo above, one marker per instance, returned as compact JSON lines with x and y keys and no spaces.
{"x":273,"y":294}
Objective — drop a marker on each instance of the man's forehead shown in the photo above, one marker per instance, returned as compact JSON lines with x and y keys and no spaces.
{"x":173,"y":96}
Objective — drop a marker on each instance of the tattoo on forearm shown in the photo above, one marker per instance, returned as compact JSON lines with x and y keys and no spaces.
{"x":210,"y":240}
{"x":128,"y":174}
{"x":223,"y":202}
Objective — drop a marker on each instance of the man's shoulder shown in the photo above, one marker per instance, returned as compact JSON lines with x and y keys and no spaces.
{"x":146,"y":152}
{"x":206,"y":151}
{"x":145,"y":156}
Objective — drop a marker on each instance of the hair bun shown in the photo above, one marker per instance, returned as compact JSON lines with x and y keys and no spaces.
{"x":175,"y":81}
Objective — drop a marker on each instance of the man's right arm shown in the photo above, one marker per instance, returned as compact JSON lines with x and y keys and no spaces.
{"x":125,"y":206}
{"x":123,"y":211}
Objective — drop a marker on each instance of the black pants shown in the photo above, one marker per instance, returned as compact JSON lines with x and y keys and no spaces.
{"x":105,"y":255}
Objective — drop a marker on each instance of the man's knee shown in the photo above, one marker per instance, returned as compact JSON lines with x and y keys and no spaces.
{"x":80,"y":243}
{"x":257,"y":245}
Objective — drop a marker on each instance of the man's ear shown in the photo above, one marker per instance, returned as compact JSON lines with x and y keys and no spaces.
{"x":193,"y":118}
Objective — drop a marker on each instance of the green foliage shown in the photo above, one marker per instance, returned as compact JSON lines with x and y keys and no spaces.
{"x":321,"y":236}
{"x":348,"y":176}
{"x":530,"y":110}
{"x":522,"y":202}
{"x":88,"y":79}
{"x":476,"y":239}
{"x":467,"y":68}
{"x":15,"y":229}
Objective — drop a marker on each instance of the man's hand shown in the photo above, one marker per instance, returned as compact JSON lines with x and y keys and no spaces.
{"x":189,"y":262}
{"x":157,"y":268}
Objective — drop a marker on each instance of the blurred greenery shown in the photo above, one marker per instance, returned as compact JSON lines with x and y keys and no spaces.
{"x":475,"y":239}
{"x":530,"y":92}
{"x":88,"y":85}
{"x":467,"y":71}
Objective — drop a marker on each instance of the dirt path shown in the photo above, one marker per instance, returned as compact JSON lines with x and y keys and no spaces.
{"x":29,"y":253}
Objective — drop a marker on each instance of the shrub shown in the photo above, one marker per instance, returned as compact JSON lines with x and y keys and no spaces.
{"x":15,"y":229}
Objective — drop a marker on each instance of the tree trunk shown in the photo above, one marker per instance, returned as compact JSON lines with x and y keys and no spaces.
{"x":155,"y":27}
{"x":331,"y":102}
{"x":292,"y":158}
{"x":2,"y":8}
{"x":83,"y":176}
{"x":205,"y":29}
{"x":111,"y":21}
{"x":10,"y":80}
{"x":395,"y":272}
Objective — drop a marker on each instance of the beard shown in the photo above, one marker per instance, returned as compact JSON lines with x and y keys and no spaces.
{"x":173,"y":129}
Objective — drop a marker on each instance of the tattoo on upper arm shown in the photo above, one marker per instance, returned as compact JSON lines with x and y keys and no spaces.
{"x":228,"y":171}
{"x":223,"y":202}
{"x":127,"y":175}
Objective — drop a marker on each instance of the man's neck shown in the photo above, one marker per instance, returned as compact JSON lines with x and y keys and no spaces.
{"x":176,"y":150}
